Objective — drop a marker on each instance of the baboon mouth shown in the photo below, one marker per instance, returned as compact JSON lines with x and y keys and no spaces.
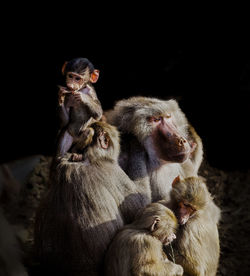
{"x":182,"y":153}
{"x":181,"y":156}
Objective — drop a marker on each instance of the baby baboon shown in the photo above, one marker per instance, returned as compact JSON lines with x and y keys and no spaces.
{"x":197,"y":247}
{"x":137,"y":248}
{"x":87,"y":203}
{"x":78,"y":102}
{"x":158,"y":144}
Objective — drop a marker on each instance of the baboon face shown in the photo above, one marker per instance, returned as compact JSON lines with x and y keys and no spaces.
{"x":76,"y":81}
{"x":185,"y":211}
{"x":79,"y":72}
{"x":190,"y":196}
{"x":160,"y":126}
{"x":167,"y":141}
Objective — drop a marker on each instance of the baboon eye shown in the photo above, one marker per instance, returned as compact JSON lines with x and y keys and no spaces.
{"x":157,"y":119}
{"x":154,"y":119}
{"x":183,"y":204}
{"x":189,"y":206}
{"x":70,"y":76}
{"x":78,"y":78}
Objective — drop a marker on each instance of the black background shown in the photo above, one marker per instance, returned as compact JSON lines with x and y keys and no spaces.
{"x":208,"y":77}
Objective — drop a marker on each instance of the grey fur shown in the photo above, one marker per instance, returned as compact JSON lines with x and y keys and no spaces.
{"x":138,"y":158}
{"x":87,"y":203}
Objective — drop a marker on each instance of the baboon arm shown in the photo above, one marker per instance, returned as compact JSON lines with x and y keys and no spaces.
{"x":94,"y":105}
{"x":215,"y":212}
{"x":197,"y":155}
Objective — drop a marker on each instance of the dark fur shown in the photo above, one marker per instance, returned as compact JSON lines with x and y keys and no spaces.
{"x":10,"y":251}
{"x":79,"y":65}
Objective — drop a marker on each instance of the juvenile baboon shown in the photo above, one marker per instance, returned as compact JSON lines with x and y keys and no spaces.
{"x":78,"y":102}
{"x":197,"y":247}
{"x":157,"y":143}
{"x":137,"y":248}
{"x":88,"y":202}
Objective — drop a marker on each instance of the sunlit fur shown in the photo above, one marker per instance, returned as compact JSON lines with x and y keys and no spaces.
{"x":192,"y":190}
{"x":93,"y":154}
{"x":136,"y":250}
{"x":130,"y":115}
{"x":197,"y":156}
{"x":86,"y":204}
{"x":197,"y":245}
{"x":138,"y":157}
{"x":97,"y":154}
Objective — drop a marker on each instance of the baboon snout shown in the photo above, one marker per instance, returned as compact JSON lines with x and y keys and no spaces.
{"x":181,"y":141}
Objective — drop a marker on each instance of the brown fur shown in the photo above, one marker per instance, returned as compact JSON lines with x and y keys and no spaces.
{"x":138,"y":157}
{"x":87,"y":203}
{"x":137,"y":248}
{"x":197,"y":245}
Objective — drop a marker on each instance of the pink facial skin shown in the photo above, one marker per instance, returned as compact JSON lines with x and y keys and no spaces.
{"x":185,"y":211}
{"x":167,"y":141}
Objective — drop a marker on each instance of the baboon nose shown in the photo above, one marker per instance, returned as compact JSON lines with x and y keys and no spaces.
{"x":181,"y":141}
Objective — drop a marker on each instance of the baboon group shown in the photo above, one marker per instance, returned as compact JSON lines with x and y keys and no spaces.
{"x":124,"y":193}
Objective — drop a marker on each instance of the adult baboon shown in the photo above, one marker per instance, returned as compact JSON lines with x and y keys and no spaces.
{"x":86,"y":204}
{"x":157,"y":143}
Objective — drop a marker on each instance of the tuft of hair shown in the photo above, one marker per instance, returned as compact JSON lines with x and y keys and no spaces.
{"x":130,"y":115}
{"x":192,"y":190}
{"x":168,"y":222}
{"x":79,"y":65}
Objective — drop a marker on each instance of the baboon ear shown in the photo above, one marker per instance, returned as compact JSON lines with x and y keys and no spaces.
{"x":64,"y":67}
{"x":193,"y":146}
{"x":154,"y":224}
{"x":104,"y":140}
{"x":95,"y":76}
{"x":176,"y":180}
